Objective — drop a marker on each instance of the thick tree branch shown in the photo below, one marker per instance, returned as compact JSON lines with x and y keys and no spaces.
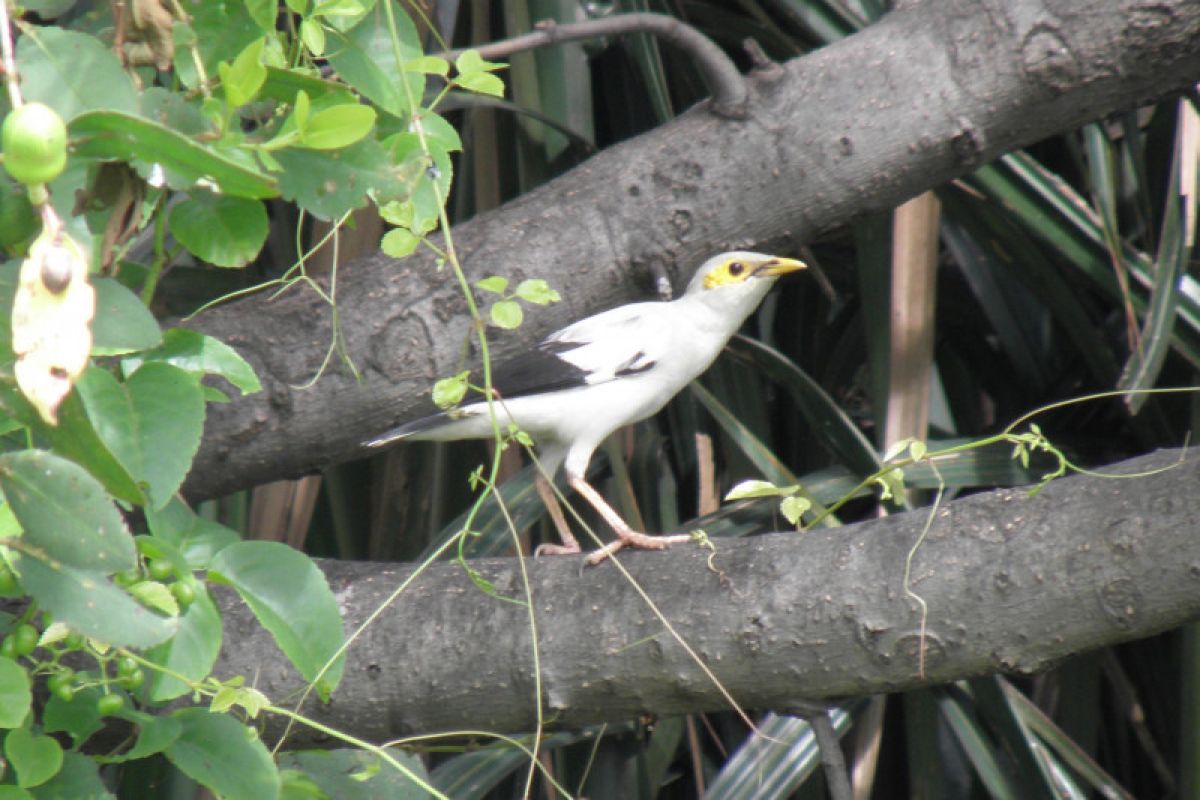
{"x":932,"y":91}
{"x":1012,"y":583}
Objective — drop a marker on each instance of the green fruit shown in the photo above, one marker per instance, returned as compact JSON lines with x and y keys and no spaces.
{"x":127,"y":577}
{"x":64,"y":677}
{"x":160,"y":569}
{"x":184,"y":594}
{"x":8,"y":647}
{"x":35,"y":143}
{"x":126,"y":665}
{"x":25,"y":639}
{"x":108,"y":704}
{"x":8,"y":580}
{"x":62,"y":684}
{"x":134,"y":679}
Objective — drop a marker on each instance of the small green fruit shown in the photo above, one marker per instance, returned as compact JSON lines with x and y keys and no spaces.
{"x":25,"y":639}
{"x":108,"y":704}
{"x":185,"y":595}
{"x":35,"y":143}
{"x":160,"y":569}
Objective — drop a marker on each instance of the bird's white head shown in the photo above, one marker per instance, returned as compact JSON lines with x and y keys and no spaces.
{"x":739,"y":279}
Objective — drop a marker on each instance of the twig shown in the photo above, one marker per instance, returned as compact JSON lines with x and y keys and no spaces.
{"x":837,"y":779}
{"x":6,"y":54}
{"x":729,"y":91}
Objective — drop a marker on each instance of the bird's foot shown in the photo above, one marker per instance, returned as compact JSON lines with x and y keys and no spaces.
{"x":548,"y":549}
{"x":642,"y":541}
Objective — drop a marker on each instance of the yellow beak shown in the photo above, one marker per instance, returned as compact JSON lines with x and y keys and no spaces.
{"x":780,"y":266}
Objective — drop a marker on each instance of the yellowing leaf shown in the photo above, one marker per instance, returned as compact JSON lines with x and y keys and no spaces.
{"x":52,"y":312}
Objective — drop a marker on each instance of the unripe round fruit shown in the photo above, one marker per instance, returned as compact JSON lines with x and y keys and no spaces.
{"x":108,"y":704}
{"x":35,"y":143}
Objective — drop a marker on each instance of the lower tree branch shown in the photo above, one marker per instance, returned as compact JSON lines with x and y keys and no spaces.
{"x":1013,"y":584}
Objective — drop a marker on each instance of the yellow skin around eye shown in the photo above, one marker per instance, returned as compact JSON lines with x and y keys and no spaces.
{"x":725,"y":274}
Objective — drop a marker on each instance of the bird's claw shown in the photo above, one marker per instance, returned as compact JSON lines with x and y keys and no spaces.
{"x":555,"y":550}
{"x":641,"y":541}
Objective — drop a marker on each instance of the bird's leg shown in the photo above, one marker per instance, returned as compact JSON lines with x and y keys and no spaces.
{"x":626,"y":536}
{"x":569,"y":543}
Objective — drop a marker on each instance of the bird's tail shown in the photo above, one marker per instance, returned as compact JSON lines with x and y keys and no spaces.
{"x":408,"y":429}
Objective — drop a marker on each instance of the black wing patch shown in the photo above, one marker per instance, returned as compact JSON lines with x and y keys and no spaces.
{"x":538,"y":370}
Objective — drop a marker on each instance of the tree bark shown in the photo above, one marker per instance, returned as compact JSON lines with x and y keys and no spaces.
{"x":932,"y":91}
{"x":1012,"y":584}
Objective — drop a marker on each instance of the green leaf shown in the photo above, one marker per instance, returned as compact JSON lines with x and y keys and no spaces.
{"x":195,"y":538}
{"x":15,"y":696}
{"x":156,"y":596}
{"x":481,"y":83}
{"x":77,"y":716}
{"x":338,"y":126}
{"x":35,"y":758}
{"x":109,"y":135}
{"x":191,"y":652}
{"x":394,"y":212}
{"x":243,"y":79}
{"x":506,"y":314}
{"x":450,"y":391}
{"x":263,"y":13}
{"x":471,"y":62}
{"x":155,"y":734}
{"x":223,"y":754}
{"x":794,"y":508}
{"x":753,"y":488}
{"x":151,"y":422}
{"x":76,"y":439}
{"x":291,"y":599}
{"x":538,"y":291}
{"x":312,"y":33}
{"x":122,"y":323}
{"x":72,"y":72}
{"x":365,"y":57}
{"x":284,"y":84}
{"x":175,"y":111}
{"x":328,"y":183}
{"x":300,"y":109}
{"x":79,"y":779}
{"x":198,"y":354}
{"x":496,"y":284}
{"x":429,"y":65}
{"x":65,"y":511}
{"x":399,"y":242}
{"x":219,"y":30}
{"x":440,"y":132}
{"x":224,"y":231}
{"x":357,"y":775}
{"x":10,"y":792}
{"x":87,"y":602}
{"x":338,"y":8}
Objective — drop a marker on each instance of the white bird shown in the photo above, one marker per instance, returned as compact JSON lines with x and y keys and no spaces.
{"x":612,"y":369}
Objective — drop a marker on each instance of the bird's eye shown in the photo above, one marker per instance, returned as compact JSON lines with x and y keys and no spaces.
{"x":736,"y":268}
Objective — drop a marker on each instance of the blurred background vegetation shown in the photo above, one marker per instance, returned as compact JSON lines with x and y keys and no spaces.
{"x":1051,"y":273}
